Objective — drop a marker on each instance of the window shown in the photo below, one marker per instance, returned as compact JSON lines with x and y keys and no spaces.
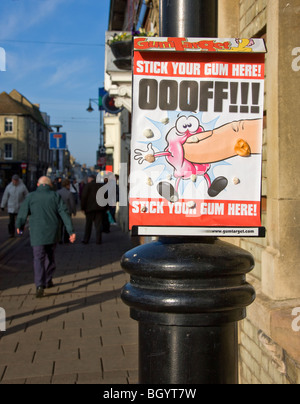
{"x":9,"y":125}
{"x":8,"y":151}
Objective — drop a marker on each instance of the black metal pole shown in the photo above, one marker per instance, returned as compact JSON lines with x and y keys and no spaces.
{"x":189,"y":18}
{"x":188,"y":294}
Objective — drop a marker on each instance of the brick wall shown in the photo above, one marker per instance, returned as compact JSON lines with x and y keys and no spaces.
{"x":252,"y":17}
{"x":262,"y":361}
{"x":253,"y":21}
{"x":269,"y":348}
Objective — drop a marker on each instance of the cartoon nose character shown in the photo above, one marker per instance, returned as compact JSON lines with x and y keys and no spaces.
{"x":185,"y":128}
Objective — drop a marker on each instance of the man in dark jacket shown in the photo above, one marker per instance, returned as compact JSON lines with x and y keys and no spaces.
{"x":93,"y":212}
{"x":45,"y":209}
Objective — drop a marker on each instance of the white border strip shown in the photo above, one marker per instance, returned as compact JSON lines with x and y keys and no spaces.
{"x":199,"y":231}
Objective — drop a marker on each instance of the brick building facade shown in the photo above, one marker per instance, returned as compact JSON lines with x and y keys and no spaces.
{"x":24,"y":140}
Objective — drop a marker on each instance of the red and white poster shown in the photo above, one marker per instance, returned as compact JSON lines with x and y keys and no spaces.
{"x":197,"y":136}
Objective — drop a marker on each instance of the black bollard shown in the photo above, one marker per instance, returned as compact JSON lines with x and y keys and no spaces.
{"x":188,"y":295}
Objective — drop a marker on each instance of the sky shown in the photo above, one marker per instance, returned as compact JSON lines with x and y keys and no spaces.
{"x":55,"y":57}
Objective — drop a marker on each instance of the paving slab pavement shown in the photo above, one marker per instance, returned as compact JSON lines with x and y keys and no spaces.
{"x":81,"y":331}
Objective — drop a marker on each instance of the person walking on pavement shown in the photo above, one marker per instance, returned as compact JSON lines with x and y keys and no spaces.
{"x":14,"y":194}
{"x":93,"y":212}
{"x":45,"y":209}
{"x":74,"y":189}
{"x":69,"y":200}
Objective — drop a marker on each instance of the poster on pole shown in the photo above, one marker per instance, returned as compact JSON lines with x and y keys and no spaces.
{"x":196,"y":152}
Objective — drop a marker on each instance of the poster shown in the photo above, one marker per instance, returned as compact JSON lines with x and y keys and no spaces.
{"x":196,"y":152}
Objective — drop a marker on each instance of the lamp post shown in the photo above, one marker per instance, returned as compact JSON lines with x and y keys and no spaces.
{"x":58,"y":128}
{"x":91,"y":109}
{"x":188,"y":294}
{"x":101,"y":153}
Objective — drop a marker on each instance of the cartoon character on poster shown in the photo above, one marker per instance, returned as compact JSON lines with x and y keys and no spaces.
{"x":192,"y":152}
{"x":185,"y":128}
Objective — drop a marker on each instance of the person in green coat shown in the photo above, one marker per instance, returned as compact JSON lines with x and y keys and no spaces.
{"x":45,"y":209}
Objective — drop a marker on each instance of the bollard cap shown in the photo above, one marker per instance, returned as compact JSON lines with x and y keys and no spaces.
{"x":187,"y":282}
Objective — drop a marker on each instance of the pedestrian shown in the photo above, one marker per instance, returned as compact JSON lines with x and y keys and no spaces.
{"x":58,"y":183}
{"x":69,"y":200}
{"x":14,"y":194}
{"x":74,"y":189}
{"x":81,"y":186}
{"x":93,"y":212}
{"x":45,"y":209}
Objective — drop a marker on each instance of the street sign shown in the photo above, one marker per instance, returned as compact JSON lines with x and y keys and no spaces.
{"x":196,"y":162}
{"x":102,"y":93}
{"x":58,"y":141}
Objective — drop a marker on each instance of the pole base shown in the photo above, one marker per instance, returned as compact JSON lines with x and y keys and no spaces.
{"x":188,"y":295}
{"x":188,"y":355}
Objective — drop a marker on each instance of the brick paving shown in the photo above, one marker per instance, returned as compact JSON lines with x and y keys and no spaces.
{"x":81,"y":331}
